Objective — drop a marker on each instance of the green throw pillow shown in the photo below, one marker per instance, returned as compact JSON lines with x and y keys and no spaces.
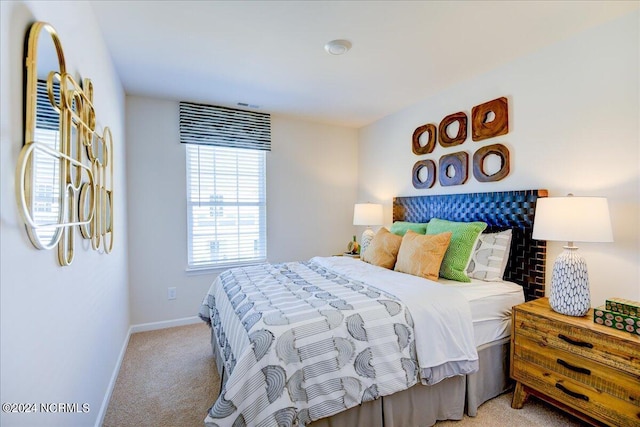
{"x":463,"y":241}
{"x":401,"y":227}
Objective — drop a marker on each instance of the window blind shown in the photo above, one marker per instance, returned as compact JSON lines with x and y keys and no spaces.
{"x":226,"y":184}
{"x":224,"y":127}
{"x":47,"y":117}
{"x":45,"y":200}
{"x":226,"y":205}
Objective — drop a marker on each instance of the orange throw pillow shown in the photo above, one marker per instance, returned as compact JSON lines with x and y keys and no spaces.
{"x":383,"y":249}
{"x":421,"y":255}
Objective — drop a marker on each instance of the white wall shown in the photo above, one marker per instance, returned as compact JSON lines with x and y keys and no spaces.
{"x":311,"y":189}
{"x":574,"y":123}
{"x":63,"y":328}
{"x":312,"y":175}
{"x":574,"y":127}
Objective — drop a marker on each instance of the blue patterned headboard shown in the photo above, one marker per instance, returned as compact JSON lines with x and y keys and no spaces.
{"x":500,"y":210}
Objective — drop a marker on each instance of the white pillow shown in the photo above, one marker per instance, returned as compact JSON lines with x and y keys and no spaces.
{"x":489,"y":258}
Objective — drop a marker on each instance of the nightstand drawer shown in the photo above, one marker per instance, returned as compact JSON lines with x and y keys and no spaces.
{"x":570,"y":366}
{"x":577,"y":395}
{"x":575,"y":364}
{"x":606,"y":349}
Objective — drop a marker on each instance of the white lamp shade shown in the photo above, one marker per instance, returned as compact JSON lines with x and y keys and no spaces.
{"x":572,"y":219}
{"x":367,"y":214}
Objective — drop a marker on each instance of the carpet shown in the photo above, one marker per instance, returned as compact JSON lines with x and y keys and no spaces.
{"x":168,"y":378}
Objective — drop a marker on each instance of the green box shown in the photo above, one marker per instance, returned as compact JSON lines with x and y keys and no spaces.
{"x":615,"y":320}
{"x":624,"y":306}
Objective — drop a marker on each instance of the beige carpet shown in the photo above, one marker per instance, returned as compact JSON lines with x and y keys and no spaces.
{"x":168,"y":379}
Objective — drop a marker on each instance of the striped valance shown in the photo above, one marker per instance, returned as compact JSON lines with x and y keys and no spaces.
{"x":224,"y":127}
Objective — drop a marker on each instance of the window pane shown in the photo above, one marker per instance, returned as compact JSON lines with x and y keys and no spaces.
{"x":226,"y":205}
{"x":45,"y":193}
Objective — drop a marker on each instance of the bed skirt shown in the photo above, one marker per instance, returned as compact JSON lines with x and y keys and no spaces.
{"x":425,"y":405}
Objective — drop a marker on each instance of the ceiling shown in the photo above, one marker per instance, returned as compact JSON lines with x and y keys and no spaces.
{"x":271,"y":54}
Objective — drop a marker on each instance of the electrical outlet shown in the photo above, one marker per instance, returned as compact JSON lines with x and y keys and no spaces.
{"x":171,"y":293}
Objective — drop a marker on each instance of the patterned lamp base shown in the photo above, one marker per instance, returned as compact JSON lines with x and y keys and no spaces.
{"x":367,"y":236}
{"x":570,"y":284}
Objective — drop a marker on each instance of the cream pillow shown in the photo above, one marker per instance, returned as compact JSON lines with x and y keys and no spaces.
{"x":421,"y":255}
{"x":490,"y":257}
{"x":383,"y":249}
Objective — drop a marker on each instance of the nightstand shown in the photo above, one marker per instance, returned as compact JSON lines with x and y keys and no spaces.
{"x":586,"y":369}
{"x":356,"y":256}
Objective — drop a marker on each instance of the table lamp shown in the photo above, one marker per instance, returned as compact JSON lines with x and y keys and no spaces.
{"x":367,"y":214}
{"x":571,"y":219}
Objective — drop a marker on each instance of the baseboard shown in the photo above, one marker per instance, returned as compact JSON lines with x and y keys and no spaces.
{"x":143,"y":327}
{"x":112,"y":382}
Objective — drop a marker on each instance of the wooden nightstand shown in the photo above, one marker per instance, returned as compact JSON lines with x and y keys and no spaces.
{"x":356,"y":256}
{"x":586,"y":369}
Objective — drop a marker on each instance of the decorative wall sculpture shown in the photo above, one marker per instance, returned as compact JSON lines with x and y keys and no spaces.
{"x":424,"y":174}
{"x":419,"y":136}
{"x":64,"y":178}
{"x":488,"y":120}
{"x":453,"y":168}
{"x":447,"y":141}
{"x":482,"y":154}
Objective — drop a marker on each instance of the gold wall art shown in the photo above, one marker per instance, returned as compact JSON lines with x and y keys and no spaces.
{"x":64,"y":177}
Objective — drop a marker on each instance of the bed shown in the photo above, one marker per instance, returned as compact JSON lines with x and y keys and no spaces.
{"x":334,"y":341}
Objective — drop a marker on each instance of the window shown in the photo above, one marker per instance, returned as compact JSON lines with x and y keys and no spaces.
{"x":226,"y":205}
{"x":45,"y":200}
{"x":226,"y":188}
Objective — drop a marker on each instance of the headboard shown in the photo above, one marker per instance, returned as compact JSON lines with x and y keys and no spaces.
{"x":500,"y":210}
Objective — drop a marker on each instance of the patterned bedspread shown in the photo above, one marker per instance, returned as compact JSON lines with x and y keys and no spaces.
{"x":302,"y":342}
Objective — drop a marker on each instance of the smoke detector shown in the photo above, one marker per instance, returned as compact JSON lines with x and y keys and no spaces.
{"x":337,"y":47}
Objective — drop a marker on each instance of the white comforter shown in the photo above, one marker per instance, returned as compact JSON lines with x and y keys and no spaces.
{"x":444,"y":338}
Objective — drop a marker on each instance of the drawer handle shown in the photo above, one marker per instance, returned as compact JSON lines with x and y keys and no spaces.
{"x":575,"y":342}
{"x":572,"y":393}
{"x":574,"y":368}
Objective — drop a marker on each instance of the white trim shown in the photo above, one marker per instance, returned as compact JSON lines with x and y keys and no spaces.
{"x":143,"y":327}
{"x":112,"y":382}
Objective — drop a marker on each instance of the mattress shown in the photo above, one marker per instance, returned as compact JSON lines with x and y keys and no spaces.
{"x":490,"y":304}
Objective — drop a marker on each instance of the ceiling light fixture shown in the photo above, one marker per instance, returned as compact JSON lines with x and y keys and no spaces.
{"x":337,"y":47}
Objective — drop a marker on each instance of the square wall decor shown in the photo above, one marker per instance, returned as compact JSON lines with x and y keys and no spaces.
{"x":444,"y":138}
{"x":423,"y":174}
{"x":453,"y":169}
{"x":490,"y":119}
{"x":424,"y":139}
